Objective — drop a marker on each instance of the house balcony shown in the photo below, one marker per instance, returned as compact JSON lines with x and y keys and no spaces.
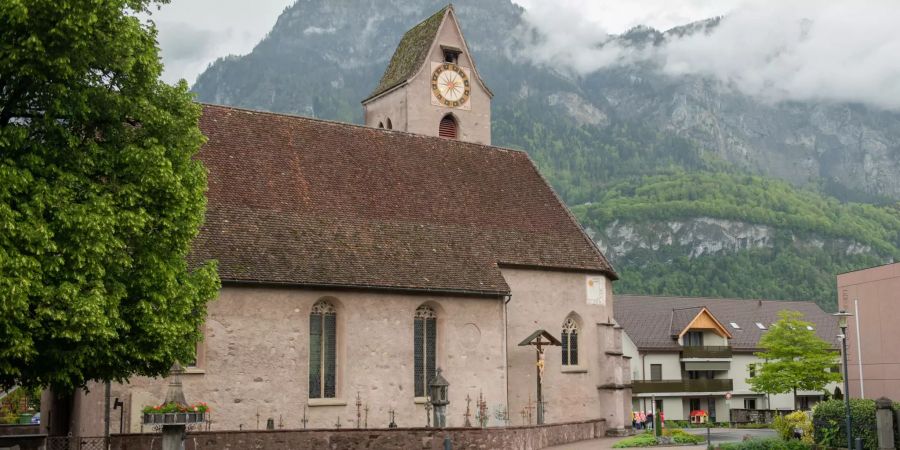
{"x":707,"y":352}
{"x":676,"y":386}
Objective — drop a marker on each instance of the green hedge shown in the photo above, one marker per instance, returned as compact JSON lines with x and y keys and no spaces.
{"x":830,"y":423}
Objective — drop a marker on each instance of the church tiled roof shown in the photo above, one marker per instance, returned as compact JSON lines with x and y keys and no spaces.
{"x":650,"y":321}
{"x":308,"y":202}
{"x":411,"y":53}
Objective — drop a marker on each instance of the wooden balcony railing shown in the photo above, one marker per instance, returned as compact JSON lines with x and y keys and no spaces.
{"x":673,"y":386}
{"x":708,"y":351}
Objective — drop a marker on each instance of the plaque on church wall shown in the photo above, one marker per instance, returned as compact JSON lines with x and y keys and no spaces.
{"x":451,"y":86}
{"x":596,"y":290}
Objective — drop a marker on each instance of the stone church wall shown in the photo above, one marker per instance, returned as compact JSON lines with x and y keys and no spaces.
{"x":543,"y":300}
{"x":253,"y":364}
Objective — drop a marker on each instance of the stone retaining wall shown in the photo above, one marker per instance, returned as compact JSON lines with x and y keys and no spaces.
{"x":19,"y":429}
{"x":519,"y":438}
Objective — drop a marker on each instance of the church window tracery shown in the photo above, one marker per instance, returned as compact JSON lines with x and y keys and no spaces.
{"x":424,"y":348}
{"x":570,"y":342}
{"x":322,"y":350}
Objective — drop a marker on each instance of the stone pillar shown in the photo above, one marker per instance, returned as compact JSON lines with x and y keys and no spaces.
{"x":884,"y":418}
{"x":173,"y":435}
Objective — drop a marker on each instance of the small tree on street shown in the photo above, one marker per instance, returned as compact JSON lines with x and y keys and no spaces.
{"x":795,"y":358}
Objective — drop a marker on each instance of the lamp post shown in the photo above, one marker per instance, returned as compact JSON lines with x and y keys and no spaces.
{"x":439,"y":399}
{"x":842,"y":323}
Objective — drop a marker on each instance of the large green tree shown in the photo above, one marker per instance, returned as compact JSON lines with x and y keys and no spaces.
{"x":795,"y":358}
{"x":99,"y":198}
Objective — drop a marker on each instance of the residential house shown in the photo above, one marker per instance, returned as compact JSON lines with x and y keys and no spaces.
{"x":698,"y":353}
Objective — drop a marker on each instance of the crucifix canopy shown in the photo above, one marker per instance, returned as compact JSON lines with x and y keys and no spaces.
{"x":535,"y":339}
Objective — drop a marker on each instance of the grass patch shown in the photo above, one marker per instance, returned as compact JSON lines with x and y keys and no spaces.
{"x":683,"y":437}
{"x":641,"y":440}
{"x":647,"y":439}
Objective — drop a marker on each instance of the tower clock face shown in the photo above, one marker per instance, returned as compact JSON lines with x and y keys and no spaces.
{"x":450,"y":85}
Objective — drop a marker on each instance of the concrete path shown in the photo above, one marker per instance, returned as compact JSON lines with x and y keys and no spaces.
{"x":717,"y":435}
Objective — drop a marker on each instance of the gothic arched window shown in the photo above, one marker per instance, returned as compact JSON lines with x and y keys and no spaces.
{"x":380,"y":124}
{"x":390,"y":126}
{"x":570,"y":342}
{"x":448,"y":127}
{"x":424,"y":347}
{"x":322,"y":350}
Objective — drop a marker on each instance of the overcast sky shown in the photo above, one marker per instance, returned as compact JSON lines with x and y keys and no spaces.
{"x":193,"y":33}
{"x":838,"y":50}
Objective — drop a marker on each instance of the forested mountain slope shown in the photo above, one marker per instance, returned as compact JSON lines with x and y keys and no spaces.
{"x":600,"y":138}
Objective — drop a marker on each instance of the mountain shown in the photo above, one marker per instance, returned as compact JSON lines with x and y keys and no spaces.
{"x":607,"y":140}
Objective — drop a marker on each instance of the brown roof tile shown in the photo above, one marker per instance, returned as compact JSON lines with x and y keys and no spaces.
{"x":304,"y":201}
{"x":649,"y":320}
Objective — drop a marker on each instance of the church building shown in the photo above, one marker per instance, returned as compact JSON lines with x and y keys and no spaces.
{"x":357,"y":260}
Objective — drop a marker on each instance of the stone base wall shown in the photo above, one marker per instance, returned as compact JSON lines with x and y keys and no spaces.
{"x":19,"y":429}
{"x":24,"y":441}
{"x":520,"y":438}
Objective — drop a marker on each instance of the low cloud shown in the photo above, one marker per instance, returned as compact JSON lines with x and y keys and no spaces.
{"x":819,"y":51}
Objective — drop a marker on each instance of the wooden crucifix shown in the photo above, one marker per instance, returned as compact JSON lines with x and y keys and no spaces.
{"x":540,"y":339}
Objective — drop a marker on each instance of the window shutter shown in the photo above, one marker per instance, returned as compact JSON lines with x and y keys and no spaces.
{"x":573,"y":347}
{"x":419,"y":356}
{"x":448,"y":128}
{"x":430,"y":348}
{"x":315,"y":355}
{"x":330,"y":347}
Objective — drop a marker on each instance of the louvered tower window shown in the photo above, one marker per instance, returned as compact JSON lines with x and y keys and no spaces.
{"x":424,"y":347}
{"x":322,"y":350}
{"x":570,"y":343}
{"x":448,"y":128}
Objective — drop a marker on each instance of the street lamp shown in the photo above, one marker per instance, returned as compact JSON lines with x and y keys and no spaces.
{"x":842,"y":323}
{"x":439,"y":400}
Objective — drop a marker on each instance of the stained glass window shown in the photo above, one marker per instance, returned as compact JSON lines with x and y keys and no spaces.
{"x":322,"y":350}
{"x":570,"y":342}
{"x":424,"y":349}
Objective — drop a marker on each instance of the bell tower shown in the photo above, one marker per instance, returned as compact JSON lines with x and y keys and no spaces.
{"x":431,"y":86}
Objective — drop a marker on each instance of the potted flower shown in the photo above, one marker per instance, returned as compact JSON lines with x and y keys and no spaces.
{"x":173,"y":413}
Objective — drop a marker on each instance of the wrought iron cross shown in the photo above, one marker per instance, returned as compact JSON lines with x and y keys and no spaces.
{"x":358,"y":411}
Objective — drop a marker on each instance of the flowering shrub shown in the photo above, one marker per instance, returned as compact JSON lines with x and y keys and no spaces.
{"x":167,"y":408}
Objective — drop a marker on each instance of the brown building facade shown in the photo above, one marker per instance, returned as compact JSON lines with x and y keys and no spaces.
{"x":356,"y":260}
{"x":873,"y":297}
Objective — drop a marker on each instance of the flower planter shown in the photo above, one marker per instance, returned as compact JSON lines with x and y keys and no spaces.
{"x":179,"y":418}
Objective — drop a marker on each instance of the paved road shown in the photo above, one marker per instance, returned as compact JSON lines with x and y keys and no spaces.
{"x":716,"y":435}
{"x":731,"y":434}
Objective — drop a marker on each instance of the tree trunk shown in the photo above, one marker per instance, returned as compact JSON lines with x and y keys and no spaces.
{"x":795,"y":400}
{"x":59,"y":417}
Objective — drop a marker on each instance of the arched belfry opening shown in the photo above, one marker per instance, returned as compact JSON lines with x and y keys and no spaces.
{"x":449,"y":127}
